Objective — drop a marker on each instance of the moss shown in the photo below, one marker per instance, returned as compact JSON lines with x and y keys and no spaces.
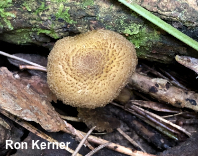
{"x":25,"y":4}
{"x":32,"y":5}
{"x":59,"y":1}
{"x":41,"y":8}
{"x":87,"y":3}
{"x":132,"y":29}
{"x":143,"y":40}
{"x":50,"y":33}
{"x":143,"y":37}
{"x":25,"y":36}
{"x":111,"y":7}
{"x":63,"y":13}
{"x":3,"y":14}
{"x":21,"y":36}
{"x":140,"y":34}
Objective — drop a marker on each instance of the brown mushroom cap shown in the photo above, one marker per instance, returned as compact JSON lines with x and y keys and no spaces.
{"x":90,"y":69}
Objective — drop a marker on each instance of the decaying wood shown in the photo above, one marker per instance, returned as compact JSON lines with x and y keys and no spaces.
{"x":42,"y":21}
{"x":162,"y":90}
{"x":22,"y":101}
{"x":189,"y":62}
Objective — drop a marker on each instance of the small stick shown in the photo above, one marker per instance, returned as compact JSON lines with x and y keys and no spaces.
{"x":71,"y":130}
{"x":156,"y":120}
{"x":83,"y":141}
{"x":159,"y":128}
{"x":70,"y":118}
{"x":155,"y":72}
{"x":130,"y":139}
{"x":154,"y":106}
{"x":21,"y":67}
{"x":116,"y":147}
{"x":161,"y":90}
{"x":143,"y":118}
{"x":97,"y":149}
{"x":166,"y":121}
{"x":168,"y":116}
{"x":173,"y":80}
{"x":20,"y":59}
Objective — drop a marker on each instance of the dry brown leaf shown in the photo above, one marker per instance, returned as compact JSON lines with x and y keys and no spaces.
{"x":20,"y":100}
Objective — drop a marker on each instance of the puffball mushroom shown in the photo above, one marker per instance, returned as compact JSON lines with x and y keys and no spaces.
{"x":89,"y":70}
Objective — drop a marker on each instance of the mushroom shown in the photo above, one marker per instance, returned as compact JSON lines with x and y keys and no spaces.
{"x":89,"y":70}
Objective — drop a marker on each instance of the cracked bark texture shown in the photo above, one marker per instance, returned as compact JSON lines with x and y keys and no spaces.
{"x":41,"y":21}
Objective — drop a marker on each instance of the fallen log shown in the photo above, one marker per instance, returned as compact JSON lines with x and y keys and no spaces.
{"x":41,"y":21}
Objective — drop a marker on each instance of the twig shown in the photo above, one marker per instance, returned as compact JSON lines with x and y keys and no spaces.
{"x":173,"y":80}
{"x":154,"y":120}
{"x":83,"y":141}
{"x":70,"y":118}
{"x":143,"y":118}
{"x":160,"y":23}
{"x":116,"y":147}
{"x":20,"y":59}
{"x":97,"y":149}
{"x":166,"y":121}
{"x":155,"y":72}
{"x":21,"y":67}
{"x":163,"y":91}
{"x":130,"y":139}
{"x":5,"y":124}
{"x":159,"y":128}
{"x":154,"y":106}
{"x":79,"y":136}
{"x":168,"y":116}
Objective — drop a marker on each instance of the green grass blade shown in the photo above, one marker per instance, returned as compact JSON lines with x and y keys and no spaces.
{"x":160,"y":23}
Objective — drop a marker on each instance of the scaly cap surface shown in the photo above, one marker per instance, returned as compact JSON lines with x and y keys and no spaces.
{"x":90,"y":69}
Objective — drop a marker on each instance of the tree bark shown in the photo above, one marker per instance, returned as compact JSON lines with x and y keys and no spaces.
{"x":41,"y":21}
